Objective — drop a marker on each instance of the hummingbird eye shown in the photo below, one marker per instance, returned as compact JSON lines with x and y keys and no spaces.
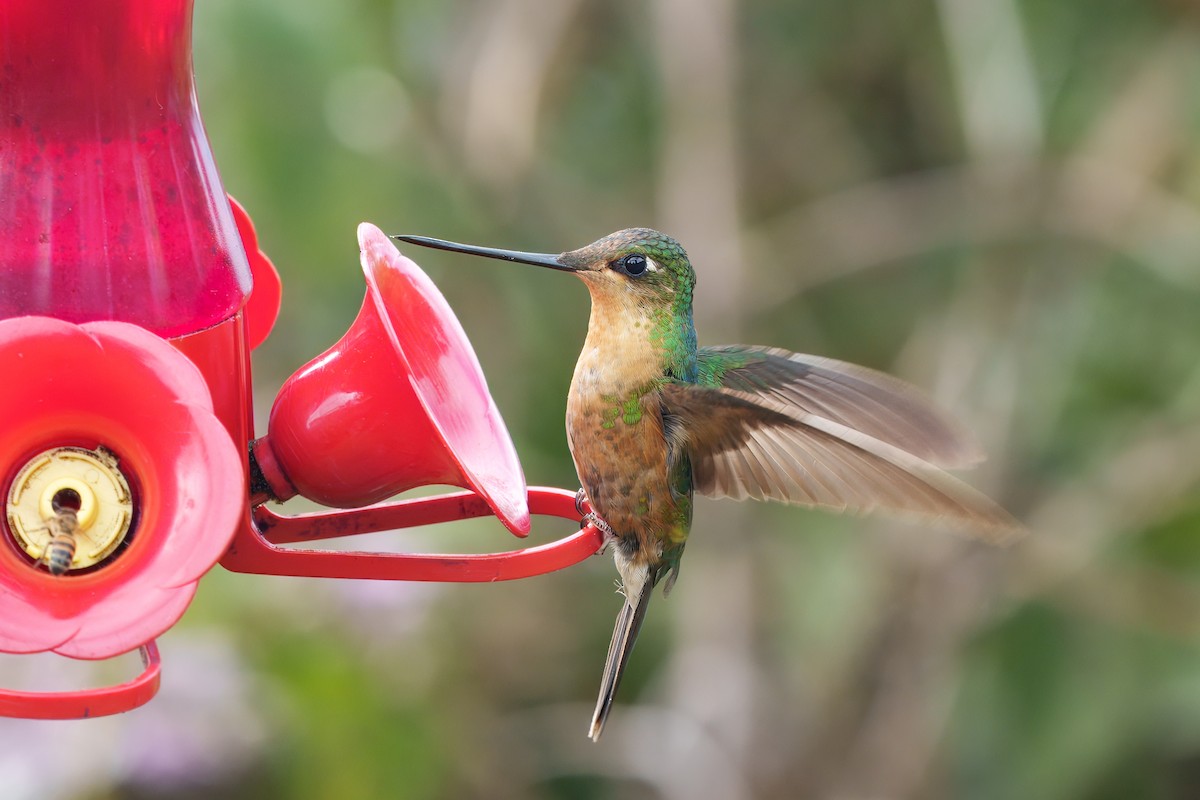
{"x":632,"y":265}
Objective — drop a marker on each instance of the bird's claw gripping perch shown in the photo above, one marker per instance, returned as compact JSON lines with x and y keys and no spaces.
{"x":591,"y":517}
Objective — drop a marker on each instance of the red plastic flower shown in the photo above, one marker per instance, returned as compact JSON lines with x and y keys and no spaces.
{"x":262,"y":307}
{"x":116,"y":386}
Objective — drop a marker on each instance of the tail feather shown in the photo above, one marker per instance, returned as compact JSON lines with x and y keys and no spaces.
{"x":625,"y":633}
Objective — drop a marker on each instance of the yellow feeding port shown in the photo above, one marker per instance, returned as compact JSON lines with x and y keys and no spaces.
{"x":87,"y":482}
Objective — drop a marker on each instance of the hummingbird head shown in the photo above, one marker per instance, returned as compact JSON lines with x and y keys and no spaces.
{"x":641,"y":282}
{"x":638,"y":265}
{"x":632,"y":267}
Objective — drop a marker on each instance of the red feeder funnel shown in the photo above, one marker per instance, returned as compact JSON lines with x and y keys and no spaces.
{"x":399,"y":402}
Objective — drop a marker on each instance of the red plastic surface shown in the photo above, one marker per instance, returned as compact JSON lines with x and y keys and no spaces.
{"x":400,"y":401}
{"x":87,"y":703}
{"x":116,"y":385}
{"x":221,"y":355}
{"x":262,"y":309}
{"x":112,"y":206}
{"x":256,"y":548}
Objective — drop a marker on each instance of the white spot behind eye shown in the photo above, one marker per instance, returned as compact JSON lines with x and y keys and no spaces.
{"x":651,"y":266}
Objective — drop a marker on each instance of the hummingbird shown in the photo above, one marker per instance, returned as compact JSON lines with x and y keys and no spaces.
{"x":653,"y":419}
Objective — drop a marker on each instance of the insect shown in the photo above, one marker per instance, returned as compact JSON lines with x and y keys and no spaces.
{"x":60,"y":550}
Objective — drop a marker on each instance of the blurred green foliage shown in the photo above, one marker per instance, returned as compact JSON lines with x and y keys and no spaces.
{"x":996,"y":199}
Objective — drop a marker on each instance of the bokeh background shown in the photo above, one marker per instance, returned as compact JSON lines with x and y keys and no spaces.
{"x":998,"y":200}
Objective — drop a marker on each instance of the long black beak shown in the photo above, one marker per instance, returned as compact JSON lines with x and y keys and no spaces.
{"x":519,"y":256}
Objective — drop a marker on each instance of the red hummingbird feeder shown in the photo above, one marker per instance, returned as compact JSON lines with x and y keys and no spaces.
{"x":131,"y":293}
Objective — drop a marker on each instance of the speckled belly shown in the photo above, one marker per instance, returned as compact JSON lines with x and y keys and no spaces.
{"x":621,"y":456}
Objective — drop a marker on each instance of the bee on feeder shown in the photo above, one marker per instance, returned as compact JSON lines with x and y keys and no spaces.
{"x":60,"y":550}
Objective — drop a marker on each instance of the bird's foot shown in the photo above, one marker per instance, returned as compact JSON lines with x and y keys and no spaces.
{"x":592,"y":518}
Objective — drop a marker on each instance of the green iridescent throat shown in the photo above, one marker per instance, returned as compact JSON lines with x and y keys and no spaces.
{"x":674,"y":334}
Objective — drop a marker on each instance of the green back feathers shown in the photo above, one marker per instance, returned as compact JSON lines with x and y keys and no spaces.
{"x":712,"y":365}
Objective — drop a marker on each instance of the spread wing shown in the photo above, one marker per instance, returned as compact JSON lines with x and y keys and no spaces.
{"x":741,"y":448}
{"x":862,"y":399}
